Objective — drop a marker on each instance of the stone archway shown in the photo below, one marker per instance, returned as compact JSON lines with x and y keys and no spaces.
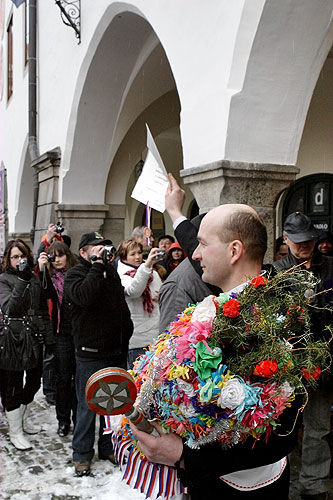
{"x":128,"y":73}
{"x":24,"y":199}
{"x":268,"y":114}
{"x":312,"y":195}
{"x":268,"y":109}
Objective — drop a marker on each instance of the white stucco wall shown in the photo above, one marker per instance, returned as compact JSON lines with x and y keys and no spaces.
{"x":193,"y":34}
{"x":13,"y":112}
{"x":290,"y":47}
{"x":244,"y":72}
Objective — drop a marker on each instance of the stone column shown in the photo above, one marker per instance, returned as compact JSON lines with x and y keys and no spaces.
{"x":114,"y":224}
{"x":76,"y":219}
{"x":255,"y":184}
{"x":47,"y":168}
{"x":80,"y":219}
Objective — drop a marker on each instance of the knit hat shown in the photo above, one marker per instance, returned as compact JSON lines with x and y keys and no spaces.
{"x":174,"y":246}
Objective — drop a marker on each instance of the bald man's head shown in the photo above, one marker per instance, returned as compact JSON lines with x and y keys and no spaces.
{"x":236,"y":221}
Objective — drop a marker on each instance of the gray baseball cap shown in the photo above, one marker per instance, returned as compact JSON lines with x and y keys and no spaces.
{"x":299,"y":227}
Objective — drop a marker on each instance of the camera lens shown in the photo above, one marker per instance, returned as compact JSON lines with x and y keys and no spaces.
{"x":109,"y":252}
{"x":51,"y":257}
{"x":160,"y":254}
{"x":22,"y":264}
{"x":59,"y":228}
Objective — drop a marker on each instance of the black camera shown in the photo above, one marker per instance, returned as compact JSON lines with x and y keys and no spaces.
{"x":59,"y":228}
{"x":51,"y":257}
{"x":160,"y":255}
{"x":109,"y":252}
{"x":22,"y":263}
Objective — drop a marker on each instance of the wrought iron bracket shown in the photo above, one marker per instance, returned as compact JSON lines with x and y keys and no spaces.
{"x":71,"y":15}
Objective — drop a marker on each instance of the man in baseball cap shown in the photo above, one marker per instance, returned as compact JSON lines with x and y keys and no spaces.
{"x":93,"y":239}
{"x":101,"y":327}
{"x":300,"y":236}
{"x":299,"y":228}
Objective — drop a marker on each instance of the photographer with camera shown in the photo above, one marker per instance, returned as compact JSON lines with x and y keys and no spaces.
{"x":54,"y":233}
{"x":53,"y":268}
{"x":24,"y":310}
{"x":102,"y":327}
{"x":141,"y":284}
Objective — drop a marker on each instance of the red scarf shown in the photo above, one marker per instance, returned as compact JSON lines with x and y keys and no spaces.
{"x":147,"y":300}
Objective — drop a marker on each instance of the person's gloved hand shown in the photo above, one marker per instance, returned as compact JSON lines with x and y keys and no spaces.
{"x":25,"y":274}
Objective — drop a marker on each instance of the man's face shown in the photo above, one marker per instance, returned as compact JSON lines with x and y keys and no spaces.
{"x":325,"y":247}
{"x":164,"y":244}
{"x":301,"y":251}
{"x":212,"y":253}
{"x":148,"y":238}
{"x":282,"y":252}
{"x":91,"y":250}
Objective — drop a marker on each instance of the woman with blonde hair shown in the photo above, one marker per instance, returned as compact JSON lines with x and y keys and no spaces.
{"x":141,"y":285}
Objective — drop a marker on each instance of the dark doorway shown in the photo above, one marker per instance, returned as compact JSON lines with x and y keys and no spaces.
{"x":312,"y":195}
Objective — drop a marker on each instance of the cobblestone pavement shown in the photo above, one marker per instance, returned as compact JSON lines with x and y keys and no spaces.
{"x":46,"y":472}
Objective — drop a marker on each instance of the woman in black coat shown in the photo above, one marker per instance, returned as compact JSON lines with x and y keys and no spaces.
{"x":53,"y":268}
{"x":22,"y":300}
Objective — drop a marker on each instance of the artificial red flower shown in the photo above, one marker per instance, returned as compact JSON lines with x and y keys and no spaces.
{"x":308,"y":374}
{"x":258,"y":281}
{"x":231,"y":308}
{"x":266,"y":368}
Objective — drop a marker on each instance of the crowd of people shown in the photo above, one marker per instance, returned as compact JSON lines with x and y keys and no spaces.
{"x":104,"y":306}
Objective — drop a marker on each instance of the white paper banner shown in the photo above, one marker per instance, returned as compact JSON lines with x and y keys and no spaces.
{"x":153,"y":181}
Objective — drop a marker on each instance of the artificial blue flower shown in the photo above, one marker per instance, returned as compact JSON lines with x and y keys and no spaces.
{"x":251,"y":400}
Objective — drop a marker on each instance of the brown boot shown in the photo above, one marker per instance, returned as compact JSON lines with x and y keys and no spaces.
{"x":82,"y":468}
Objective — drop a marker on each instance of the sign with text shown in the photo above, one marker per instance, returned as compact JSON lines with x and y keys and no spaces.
{"x":153,"y":181}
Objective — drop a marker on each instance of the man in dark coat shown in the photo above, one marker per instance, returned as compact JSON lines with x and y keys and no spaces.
{"x":300,"y":236}
{"x":102,"y":328}
{"x":184,"y":285}
{"x":232,"y":243}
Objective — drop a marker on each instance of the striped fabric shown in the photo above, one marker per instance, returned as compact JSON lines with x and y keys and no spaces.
{"x":154,"y":480}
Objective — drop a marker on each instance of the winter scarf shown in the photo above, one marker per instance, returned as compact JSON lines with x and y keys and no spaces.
{"x":58,"y":278}
{"x":147,"y":300}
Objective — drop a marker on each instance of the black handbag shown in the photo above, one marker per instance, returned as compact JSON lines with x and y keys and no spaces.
{"x":20,"y":344}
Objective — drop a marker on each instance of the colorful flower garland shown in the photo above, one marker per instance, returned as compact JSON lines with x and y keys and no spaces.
{"x":229,"y":366}
{"x":225,"y":370}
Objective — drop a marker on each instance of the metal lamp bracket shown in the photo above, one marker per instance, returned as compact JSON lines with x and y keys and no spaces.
{"x":71,"y":15}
